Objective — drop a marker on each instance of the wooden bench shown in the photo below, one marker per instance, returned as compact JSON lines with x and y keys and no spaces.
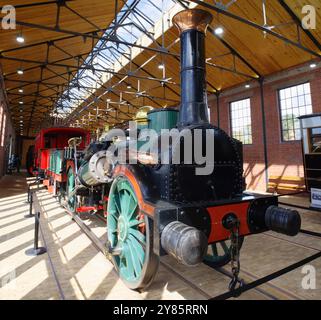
{"x":284,"y":184}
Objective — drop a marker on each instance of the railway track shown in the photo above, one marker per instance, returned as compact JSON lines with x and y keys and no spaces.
{"x":271,"y":292}
{"x":193,"y":285}
{"x":267,"y":291}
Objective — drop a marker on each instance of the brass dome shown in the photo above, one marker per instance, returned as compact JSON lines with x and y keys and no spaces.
{"x":141,"y":114}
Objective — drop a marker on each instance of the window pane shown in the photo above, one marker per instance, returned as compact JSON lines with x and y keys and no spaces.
{"x":294,"y":102}
{"x":241,"y":121}
{"x":307,"y":99}
{"x":282,"y":95}
{"x":300,"y":90}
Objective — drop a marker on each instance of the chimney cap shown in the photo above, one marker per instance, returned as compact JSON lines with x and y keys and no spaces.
{"x":197,"y":19}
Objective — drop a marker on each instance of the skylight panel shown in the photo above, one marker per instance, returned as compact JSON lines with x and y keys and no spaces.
{"x":106,"y":53}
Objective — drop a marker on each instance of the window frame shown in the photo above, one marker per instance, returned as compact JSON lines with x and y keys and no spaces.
{"x":280,"y":108}
{"x":231,"y":119}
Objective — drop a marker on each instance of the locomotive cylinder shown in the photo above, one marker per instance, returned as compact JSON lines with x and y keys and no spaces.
{"x":186,"y":244}
{"x":192,"y":25}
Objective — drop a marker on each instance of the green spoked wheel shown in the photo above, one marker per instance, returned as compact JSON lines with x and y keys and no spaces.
{"x":70,"y":187}
{"x":130,"y":236}
{"x":219,"y":253}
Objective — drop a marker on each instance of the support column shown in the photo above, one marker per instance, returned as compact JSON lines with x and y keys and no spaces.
{"x":218,"y":107}
{"x":266,"y":164}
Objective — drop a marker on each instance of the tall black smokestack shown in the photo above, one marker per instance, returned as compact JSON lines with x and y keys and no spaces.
{"x":192,"y":25}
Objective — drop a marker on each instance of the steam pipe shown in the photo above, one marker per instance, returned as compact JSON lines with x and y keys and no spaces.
{"x":192,"y":25}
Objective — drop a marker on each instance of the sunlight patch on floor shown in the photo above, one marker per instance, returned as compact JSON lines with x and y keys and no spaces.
{"x":25,"y":282}
{"x":74,"y":247}
{"x":15,"y":226}
{"x":67,"y":232}
{"x":16,"y":259}
{"x":9,"y":244}
{"x":96,"y":270}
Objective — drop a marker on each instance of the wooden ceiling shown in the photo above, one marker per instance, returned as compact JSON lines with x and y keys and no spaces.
{"x":42,"y":83}
{"x":243,"y":53}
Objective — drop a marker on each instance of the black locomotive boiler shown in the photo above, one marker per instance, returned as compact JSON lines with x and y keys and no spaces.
{"x":156,"y":209}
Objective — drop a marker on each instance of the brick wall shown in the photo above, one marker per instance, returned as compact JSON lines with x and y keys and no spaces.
{"x":284,"y":158}
{"x":7,"y":133}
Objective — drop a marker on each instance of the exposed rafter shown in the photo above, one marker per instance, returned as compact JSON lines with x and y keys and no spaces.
{"x":299,"y":23}
{"x":255,"y":25}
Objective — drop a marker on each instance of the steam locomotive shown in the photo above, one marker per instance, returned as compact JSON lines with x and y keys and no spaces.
{"x":156,"y":208}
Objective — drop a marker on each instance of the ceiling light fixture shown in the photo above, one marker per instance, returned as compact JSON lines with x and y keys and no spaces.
{"x":161,"y":66}
{"x":219,"y":31}
{"x":20,"y":102}
{"x":20,"y":90}
{"x":247,"y":86}
{"x":20,"y":38}
{"x":313,"y":65}
{"x":20,"y":71}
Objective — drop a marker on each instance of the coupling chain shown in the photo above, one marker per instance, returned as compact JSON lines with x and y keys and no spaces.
{"x":235,"y":283}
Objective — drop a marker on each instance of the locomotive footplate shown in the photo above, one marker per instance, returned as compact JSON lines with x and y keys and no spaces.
{"x":255,"y":213}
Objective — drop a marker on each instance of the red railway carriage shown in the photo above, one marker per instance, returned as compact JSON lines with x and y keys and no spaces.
{"x":38,"y":158}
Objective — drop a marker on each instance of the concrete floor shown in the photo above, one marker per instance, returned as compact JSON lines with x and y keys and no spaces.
{"x":74,"y":269}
